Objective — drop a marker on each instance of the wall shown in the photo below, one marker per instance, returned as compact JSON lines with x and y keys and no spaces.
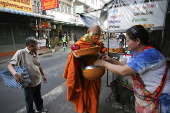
{"x":37,"y":6}
{"x":59,"y":16}
{"x":13,"y":32}
{"x":79,"y":31}
{"x":94,"y":4}
{"x":74,"y":30}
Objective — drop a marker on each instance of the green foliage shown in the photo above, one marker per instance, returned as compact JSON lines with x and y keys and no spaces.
{"x":60,"y":43}
{"x":53,"y":43}
{"x":58,"y":27}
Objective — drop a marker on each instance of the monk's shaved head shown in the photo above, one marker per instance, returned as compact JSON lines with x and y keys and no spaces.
{"x":95,"y":29}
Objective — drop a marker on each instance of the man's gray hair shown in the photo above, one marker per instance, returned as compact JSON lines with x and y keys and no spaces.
{"x":30,"y":40}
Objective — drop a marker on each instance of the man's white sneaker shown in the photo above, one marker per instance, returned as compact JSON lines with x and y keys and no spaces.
{"x":43,"y":110}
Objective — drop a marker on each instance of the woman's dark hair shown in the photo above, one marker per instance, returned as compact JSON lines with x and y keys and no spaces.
{"x":140,"y":32}
{"x":30,"y":40}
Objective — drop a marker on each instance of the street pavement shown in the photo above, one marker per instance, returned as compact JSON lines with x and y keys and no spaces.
{"x":54,"y":91}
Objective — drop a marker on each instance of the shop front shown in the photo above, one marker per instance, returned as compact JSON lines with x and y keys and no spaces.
{"x":43,"y":28}
{"x":15,"y":29}
{"x":70,"y":30}
{"x":17,"y":22}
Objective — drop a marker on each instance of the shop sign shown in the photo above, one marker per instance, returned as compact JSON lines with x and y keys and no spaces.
{"x":46,"y":24}
{"x":149,"y":14}
{"x":53,"y":26}
{"x":49,"y":4}
{"x":22,"y":5}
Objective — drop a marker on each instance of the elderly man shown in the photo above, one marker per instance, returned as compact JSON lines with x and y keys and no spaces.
{"x":32,"y":91}
{"x":82,"y":92}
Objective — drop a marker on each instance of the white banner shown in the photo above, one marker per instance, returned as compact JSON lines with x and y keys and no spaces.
{"x":149,"y":14}
{"x":41,"y":43}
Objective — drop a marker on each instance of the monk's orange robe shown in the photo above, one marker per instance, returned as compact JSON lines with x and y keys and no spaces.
{"x":82,"y":92}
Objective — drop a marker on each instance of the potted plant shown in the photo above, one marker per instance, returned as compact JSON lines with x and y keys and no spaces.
{"x":53,"y":44}
{"x":60,"y":43}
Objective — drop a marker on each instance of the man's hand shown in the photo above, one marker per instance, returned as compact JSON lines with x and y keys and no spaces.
{"x":18,"y":77}
{"x":44,"y":79}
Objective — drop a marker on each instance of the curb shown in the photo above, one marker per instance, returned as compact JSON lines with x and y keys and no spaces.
{"x":41,"y":53}
{"x":59,"y":48}
{"x":4,"y":61}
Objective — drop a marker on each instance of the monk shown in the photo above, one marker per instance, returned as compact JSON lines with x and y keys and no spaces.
{"x":82,"y":92}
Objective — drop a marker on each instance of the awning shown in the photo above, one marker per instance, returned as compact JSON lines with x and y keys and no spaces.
{"x":2,"y":9}
{"x":89,"y":20}
{"x":70,"y":23}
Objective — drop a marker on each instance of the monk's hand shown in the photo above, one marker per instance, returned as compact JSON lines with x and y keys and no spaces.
{"x":100,"y":62}
{"x":75,"y":55}
{"x":100,"y":56}
{"x":107,"y":58}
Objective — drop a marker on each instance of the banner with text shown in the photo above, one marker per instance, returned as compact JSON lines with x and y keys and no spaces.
{"x":49,"y":4}
{"x":149,"y":14}
{"x":22,"y":5}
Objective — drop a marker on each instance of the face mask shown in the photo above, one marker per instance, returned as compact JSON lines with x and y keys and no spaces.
{"x":95,"y":38}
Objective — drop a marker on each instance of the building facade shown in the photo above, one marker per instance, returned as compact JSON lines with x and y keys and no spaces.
{"x":66,"y":17}
{"x":18,"y":20}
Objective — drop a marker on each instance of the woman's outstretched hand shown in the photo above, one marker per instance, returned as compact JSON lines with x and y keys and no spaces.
{"x":100,"y":62}
{"x":107,"y":58}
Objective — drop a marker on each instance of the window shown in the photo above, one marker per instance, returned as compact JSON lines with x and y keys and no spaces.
{"x":92,"y":1}
{"x":51,"y":10}
{"x":61,"y":8}
{"x":57,"y":9}
{"x":66,"y":10}
{"x":69,"y":10}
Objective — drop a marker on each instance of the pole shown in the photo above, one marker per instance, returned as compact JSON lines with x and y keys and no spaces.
{"x":107,"y":69}
{"x":12,"y":34}
{"x":26,"y":28}
{"x":162,"y":40}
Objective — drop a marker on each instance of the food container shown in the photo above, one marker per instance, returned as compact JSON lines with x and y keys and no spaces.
{"x":116,"y":50}
{"x":115,"y":55}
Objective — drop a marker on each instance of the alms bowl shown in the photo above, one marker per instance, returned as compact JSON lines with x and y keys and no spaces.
{"x":88,"y":51}
{"x":93,"y":72}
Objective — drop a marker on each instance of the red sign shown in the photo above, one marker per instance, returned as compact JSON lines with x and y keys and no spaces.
{"x":49,"y":4}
